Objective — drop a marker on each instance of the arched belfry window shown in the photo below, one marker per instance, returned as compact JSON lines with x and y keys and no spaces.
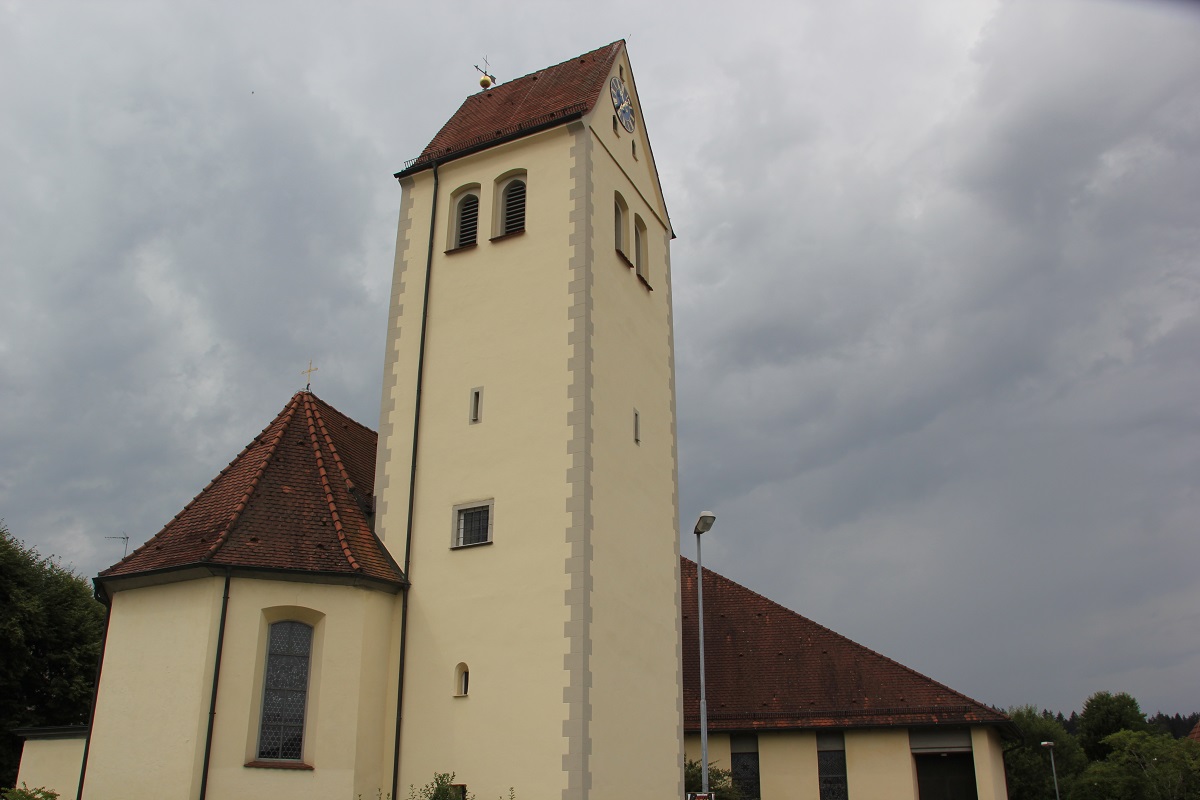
{"x":620,"y":212}
{"x":466,"y":221}
{"x":514,"y":207}
{"x":285,"y":691}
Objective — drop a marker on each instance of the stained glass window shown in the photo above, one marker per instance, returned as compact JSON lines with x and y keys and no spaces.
{"x":831,"y":771}
{"x":285,"y":691}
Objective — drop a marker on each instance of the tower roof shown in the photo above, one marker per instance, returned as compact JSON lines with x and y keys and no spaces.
{"x":769,"y":668}
{"x":297,"y":499}
{"x":542,"y":99}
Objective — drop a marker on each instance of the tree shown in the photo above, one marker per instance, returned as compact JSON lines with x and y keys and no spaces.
{"x":720,"y":781}
{"x":1104,"y":714}
{"x":50,"y":630}
{"x":1027,"y":766}
{"x":1142,"y":766}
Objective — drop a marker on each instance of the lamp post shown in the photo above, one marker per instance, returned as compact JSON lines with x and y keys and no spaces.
{"x":1053,"y":769}
{"x":703,"y":525}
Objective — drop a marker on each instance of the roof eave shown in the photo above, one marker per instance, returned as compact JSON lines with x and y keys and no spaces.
{"x":107,"y":585}
{"x":422,"y":163}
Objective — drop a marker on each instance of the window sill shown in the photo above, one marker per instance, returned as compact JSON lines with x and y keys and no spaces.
{"x":278,"y":765}
{"x":645,"y":283}
{"x":625,"y":259}
{"x":469,"y":546}
{"x":509,"y":235}
{"x":454,"y":250}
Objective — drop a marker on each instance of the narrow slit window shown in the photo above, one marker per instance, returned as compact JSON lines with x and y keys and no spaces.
{"x":476,"y":413}
{"x":637,"y":427}
{"x":620,"y":216}
{"x":514,"y":207}
{"x":639,"y":249}
{"x":467,"y":229}
{"x":462,"y":680}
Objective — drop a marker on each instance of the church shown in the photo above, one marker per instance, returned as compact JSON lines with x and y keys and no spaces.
{"x":491,"y":584}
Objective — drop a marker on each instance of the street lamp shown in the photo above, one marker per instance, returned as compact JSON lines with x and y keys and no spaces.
{"x":1053,"y":769}
{"x":703,"y":525}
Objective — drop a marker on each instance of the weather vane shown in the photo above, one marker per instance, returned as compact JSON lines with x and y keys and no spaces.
{"x":488,"y":78}
{"x":307,"y":373}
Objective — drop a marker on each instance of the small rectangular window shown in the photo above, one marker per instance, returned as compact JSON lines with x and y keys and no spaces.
{"x":472,"y":524}
{"x":476,"y":412}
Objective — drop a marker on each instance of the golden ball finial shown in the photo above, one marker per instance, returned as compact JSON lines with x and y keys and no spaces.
{"x":485,"y":81}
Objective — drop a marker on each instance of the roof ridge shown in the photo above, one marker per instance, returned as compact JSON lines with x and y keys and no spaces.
{"x":794,"y":613}
{"x":310,"y":411}
{"x":337,"y":459}
{"x":284,"y":418}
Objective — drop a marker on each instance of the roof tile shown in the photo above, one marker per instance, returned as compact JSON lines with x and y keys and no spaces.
{"x":298,"y":497}
{"x":767,"y":667}
{"x":550,"y":96}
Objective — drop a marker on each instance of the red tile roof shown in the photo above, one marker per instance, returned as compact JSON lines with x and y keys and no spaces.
{"x":767,"y":667}
{"x":1195,"y":732}
{"x":297,"y":498}
{"x":542,"y":99}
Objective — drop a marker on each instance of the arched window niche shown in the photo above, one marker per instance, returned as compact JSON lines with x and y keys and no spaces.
{"x":621,"y":225}
{"x":462,"y":680}
{"x":640,"y":260}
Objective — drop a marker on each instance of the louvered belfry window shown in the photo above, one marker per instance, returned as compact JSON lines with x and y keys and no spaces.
{"x":514,"y":207}
{"x":285,"y":692}
{"x":468,"y":221}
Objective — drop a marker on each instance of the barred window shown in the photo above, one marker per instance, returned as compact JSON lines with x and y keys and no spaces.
{"x":467,"y":222}
{"x":285,"y":691}
{"x":514,"y":207}
{"x":473,"y":525}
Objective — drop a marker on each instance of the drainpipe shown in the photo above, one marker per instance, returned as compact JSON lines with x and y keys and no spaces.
{"x":412,"y":485}
{"x":87,"y":742}
{"x":212,"y":703}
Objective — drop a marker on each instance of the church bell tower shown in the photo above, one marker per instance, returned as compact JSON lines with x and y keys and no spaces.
{"x":526,"y":475}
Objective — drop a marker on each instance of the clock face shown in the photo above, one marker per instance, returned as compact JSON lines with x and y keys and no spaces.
{"x":621,"y":102}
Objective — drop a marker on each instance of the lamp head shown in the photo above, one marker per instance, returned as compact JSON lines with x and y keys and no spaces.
{"x":1048,"y":744}
{"x":705,"y":523}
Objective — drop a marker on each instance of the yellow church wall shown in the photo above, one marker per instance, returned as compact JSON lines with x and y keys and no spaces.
{"x":718,"y":749}
{"x":52,"y":764}
{"x":499,"y":607}
{"x":635,"y":630}
{"x":787,"y":766}
{"x":879,"y":765}
{"x":988,"y":753}
{"x":351,"y":678}
{"x":153,"y":696}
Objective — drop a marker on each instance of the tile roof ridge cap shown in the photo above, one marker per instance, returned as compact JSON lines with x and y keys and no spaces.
{"x":284,"y":418}
{"x":331,"y":407}
{"x":309,"y":408}
{"x":337,"y":459}
{"x":842,"y":636}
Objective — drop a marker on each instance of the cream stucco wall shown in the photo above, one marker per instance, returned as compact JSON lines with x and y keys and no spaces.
{"x":568,"y":620}
{"x":52,"y":764}
{"x":153,"y":706}
{"x":787,"y":766}
{"x":988,"y":753}
{"x":879,"y":765}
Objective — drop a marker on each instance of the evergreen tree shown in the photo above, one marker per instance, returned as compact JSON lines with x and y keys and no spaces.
{"x":50,"y":630}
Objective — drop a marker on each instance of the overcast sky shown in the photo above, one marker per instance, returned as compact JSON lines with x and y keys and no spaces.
{"x":937,"y":289}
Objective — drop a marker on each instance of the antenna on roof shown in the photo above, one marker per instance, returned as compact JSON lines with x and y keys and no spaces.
{"x":307,"y":373}
{"x":488,"y":78}
{"x":123,"y":537}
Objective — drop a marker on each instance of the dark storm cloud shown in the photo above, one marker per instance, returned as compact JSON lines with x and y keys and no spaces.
{"x":936,"y":291}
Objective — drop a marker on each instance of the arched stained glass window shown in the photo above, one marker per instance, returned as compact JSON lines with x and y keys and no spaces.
{"x":285,"y":691}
